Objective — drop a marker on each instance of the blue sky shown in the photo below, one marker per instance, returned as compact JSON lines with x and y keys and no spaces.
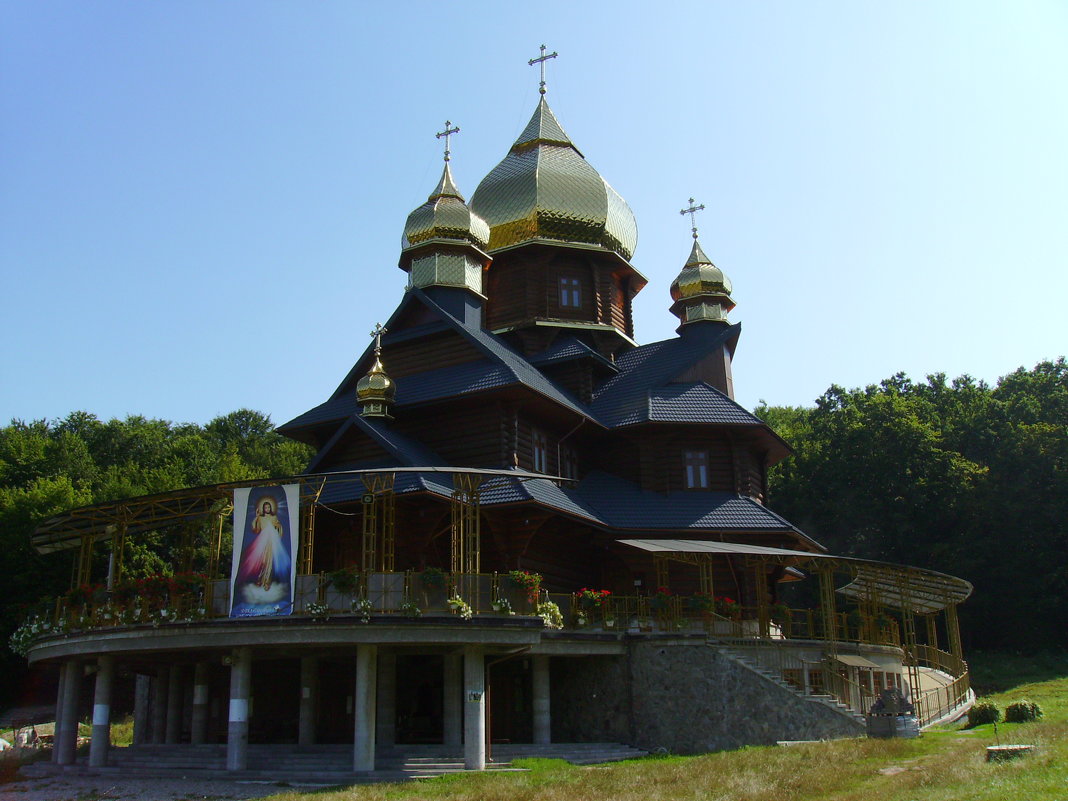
{"x":201,"y":203}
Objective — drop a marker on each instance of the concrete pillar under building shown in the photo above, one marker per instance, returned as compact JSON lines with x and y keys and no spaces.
{"x":363,"y":746}
{"x":68,"y":732}
{"x":160,"y":686}
{"x":452,"y":702}
{"x":198,"y":725}
{"x":386,"y":716}
{"x":237,"y":729}
{"x":63,"y":672}
{"x":142,"y":703}
{"x":101,"y":742}
{"x":542,"y":719}
{"x":474,"y":708}
{"x":174,"y":706}
{"x":309,"y":700}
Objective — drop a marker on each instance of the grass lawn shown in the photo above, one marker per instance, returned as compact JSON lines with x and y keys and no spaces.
{"x":944,"y":765}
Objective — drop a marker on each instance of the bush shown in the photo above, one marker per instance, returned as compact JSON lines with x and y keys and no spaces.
{"x":1022,"y":712}
{"x":983,"y":712}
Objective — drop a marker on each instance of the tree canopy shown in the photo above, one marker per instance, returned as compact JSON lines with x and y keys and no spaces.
{"x":956,"y":476}
{"x":48,"y":467}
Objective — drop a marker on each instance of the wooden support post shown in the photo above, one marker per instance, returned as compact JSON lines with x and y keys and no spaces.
{"x":932,"y":630}
{"x":662,"y":573}
{"x":760,"y":586}
{"x":85,"y":561}
{"x":827,"y":603}
{"x":705,"y":577}
{"x":118,"y":549}
{"x":953,"y":631}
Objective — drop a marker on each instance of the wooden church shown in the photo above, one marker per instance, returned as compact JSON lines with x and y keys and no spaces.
{"x":520,"y":530}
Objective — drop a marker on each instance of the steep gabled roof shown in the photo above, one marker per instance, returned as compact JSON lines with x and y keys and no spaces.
{"x":566,"y":349}
{"x":501,"y":366}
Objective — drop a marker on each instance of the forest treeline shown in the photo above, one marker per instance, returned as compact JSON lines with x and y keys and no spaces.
{"x":49,"y":467}
{"x":957,"y":476}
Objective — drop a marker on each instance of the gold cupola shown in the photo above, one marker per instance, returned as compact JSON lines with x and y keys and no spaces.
{"x":376,"y":391}
{"x":444,"y":241}
{"x":701,"y":292}
{"x":545,"y":191}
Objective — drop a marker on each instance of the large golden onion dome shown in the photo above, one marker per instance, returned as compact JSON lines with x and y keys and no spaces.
{"x":544,"y":190}
{"x":445,"y":216}
{"x":701,"y":291}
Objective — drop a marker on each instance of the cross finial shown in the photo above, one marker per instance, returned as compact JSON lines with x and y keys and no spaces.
{"x":377,"y":333}
{"x":540,"y":61}
{"x":692,"y":210}
{"x":449,"y":131}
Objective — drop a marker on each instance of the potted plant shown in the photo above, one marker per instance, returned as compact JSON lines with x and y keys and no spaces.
{"x":345,"y":581}
{"x":728,"y":608}
{"x":524,"y":588}
{"x":434,"y":582}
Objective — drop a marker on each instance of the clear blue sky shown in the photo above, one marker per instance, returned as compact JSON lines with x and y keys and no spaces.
{"x":201,"y":203}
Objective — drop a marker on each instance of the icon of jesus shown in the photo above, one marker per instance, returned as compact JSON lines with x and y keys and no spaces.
{"x":265,"y":560}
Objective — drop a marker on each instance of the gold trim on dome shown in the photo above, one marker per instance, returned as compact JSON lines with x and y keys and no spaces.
{"x":445,"y":216}
{"x":544,"y":189}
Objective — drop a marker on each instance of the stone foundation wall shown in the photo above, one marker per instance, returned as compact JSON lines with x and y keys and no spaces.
{"x":683,"y":696}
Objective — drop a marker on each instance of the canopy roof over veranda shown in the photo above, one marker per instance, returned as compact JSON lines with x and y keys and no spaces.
{"x":916,"y":589}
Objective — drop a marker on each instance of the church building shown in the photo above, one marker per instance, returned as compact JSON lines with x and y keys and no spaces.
{"x":521,"y":532}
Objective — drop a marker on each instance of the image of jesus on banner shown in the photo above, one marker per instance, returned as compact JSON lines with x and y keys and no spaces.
{"x":265,"y":525}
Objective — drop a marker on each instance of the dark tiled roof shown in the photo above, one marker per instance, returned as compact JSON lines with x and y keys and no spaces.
{"x":524,"y":372}
{"x":625,"y":398}
{"x":447,"y":382}
{"x":624,"y":505}
{"x":339,"y":407}
{"x":696,"y":403}
{"x":568,"y":349}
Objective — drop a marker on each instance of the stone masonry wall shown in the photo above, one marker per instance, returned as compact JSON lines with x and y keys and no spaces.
{"x":683,"y":696}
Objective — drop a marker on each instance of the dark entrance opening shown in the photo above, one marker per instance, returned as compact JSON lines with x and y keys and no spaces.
{"x":337,"y":682}
{"x":275,"y":703}
{"x":511,"y":705}
{"x":420,"y":690}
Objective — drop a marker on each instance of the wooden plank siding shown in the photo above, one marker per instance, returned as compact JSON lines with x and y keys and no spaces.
{"x":472,"y":437}
{"x":428,"y":353}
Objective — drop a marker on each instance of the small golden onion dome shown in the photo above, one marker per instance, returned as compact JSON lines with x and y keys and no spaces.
{"x":445,"y":216}
{"x":544,"y":190}
{"x":701,"y":291}
{"x":376,"y":391}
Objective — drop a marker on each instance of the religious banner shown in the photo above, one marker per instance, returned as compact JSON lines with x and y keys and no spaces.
{"x":266,"y":526}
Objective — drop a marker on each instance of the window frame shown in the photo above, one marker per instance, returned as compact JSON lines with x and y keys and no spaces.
{"x":695,"y":469}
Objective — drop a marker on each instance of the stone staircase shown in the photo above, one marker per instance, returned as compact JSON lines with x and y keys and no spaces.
{"x":328,"y":765}
{"x":773,"y":677}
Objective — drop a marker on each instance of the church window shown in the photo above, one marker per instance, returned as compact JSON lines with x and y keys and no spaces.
{"x":696,"y":464}
{"x":541,"y":451}
{"x":570,"y":293}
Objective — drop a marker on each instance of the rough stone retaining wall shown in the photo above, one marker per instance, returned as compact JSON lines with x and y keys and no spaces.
{"x":683,"y":696}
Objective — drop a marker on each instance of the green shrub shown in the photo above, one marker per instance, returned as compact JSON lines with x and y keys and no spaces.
{"x":983,"y":712}
{"x":1022,"y":711}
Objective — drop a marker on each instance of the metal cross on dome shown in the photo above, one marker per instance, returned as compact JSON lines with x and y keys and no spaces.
{"x":449,"y":131}
{"x":692,"y":210}
{"x":540,"y":61}
{"x":377,"y":333}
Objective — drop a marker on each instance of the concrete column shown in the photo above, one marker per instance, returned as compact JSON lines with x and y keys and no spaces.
{"x":160,"y":687}
{"x":363,"y":711}
{"x":542,"y":719}
{"x":98,"y":746}
{"x":68,"y":733}
{"x":142,"y":702}
{"x":452,"y":704}
{"x":474,"y":708}
{"x":386,"y":716}
{"x":64,"y":670}
{"x":198,"y":725}
{"x":309,"y":700}
{"x":237,"y":730}
{"x":174,"y":706}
